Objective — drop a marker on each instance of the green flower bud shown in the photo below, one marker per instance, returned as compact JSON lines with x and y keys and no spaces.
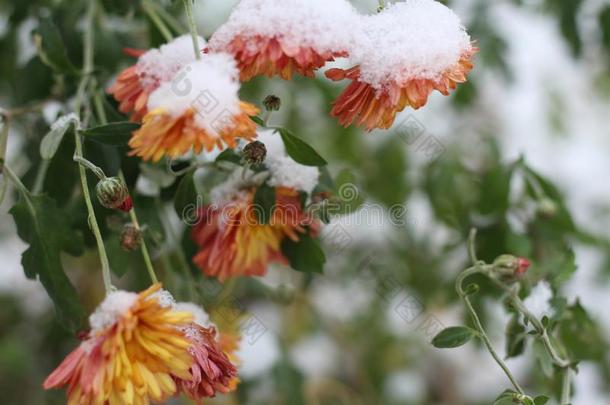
{"x":112,"y":192}
{"x":510,"y":266}
{"x":546,"y":207}
{"x":272,"y":103}
{"x":254,"y":153}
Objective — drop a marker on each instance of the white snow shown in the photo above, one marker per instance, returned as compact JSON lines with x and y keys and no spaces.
{"x":284,"y":171}
{"x":164,"y":298}
{"x":200,"y":316}
{"x":324,"y":25}
{"x":111,"y":309}
{"x":208,"y":86}
{"x":408,"y":40}
{"x":235,"y":185}
{"x":160,"y":65}
{"x":538,"y":300}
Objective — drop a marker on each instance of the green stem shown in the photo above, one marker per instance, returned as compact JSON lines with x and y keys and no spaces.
{"x":172,"y":21}
{"x":171,"y":236}
{"x":154,"y":17}
{"x":188,"y":6}
{"x":3,"y":142}
{"x":99,"y":108}
{"x":565,"y":389}
{"x":82,"y":88}
{"x":477,"y":322}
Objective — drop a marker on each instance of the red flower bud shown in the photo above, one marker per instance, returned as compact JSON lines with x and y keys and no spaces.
{"x":126,"y":205}
{"x":522,"y":265}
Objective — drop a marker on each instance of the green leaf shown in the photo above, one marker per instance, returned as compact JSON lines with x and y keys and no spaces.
{"x":453,"y":336}
{"x":51,"y":141}
{"x":306,"y":255}
{"x":186,"y":194}
{"x":228,"y":155}
{"x":51,"y":48}
{"x":115,"y":134}
{"x":258,"y":120}
{"x":541,"y":400}
{"x":505,"y":398}
{"x":515,"y":338}
{"x":264,"y":203}
{"x":45,"y":228}
{"x":300,"y":151}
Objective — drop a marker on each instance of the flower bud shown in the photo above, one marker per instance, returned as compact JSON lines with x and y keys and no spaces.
{"x":131,"y":237}
{"x":272,"y":103}
{"x":254,"y":153}
{"x":113,"y":193}
{"x":510,"y":266}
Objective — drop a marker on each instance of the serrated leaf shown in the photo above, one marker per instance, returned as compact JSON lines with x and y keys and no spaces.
{"x":299,"y":150}
{"x":453,"y":336}
{"x":51,"y":141}
{"x":45,"y":228}
{"x":305,"y":255}
{"x":186,"y":194}
{"x":51,"y":48}
{"x":264,"y":203}
{"x":114,"y":134}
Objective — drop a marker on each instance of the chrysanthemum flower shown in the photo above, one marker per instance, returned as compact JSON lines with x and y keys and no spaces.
{"x":199,"y":109}
{"x":212,"y":371}
{"x":401,"y":56}
{"x":269,"y":37}
{"x":131,"y":354}
{"x":232,"y":241}
{"x":215,"y":364}
{"x":134,"y":85}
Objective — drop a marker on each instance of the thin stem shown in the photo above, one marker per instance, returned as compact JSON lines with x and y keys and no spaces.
{"x":188,"y":6}
{"x":566,"y":387}
{"x":3,"y":142}
{"x":154,"y":17}
{"x":171,"y":236}
{"x":88,"y":165}
{"x":477,"y":322}
{"x":78,"y":154}
{"x":172,"y":21}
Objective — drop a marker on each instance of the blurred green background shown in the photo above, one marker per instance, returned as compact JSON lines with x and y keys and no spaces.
{"x":521,"y":154}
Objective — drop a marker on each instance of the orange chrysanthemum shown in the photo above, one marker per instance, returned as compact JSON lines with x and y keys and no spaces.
{"x":134,"y":85}
{"x":130,"y":356}
{"x":232,"y":242}
{"x":163,"y":134}
{"x":212,"y":371}
{"x":377,"y":108}
{"x":258,"y":55}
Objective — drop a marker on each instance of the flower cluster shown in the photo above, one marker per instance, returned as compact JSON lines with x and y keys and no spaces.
{"x":231,"y":238}
{"x":142,"y":348}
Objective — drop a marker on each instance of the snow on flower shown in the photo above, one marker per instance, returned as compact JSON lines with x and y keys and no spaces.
{"x":269,"y":37}
{"x":285,"y":172}
{"x":130,"y":356}
{"x":134,"y":85}
{"x":231,"y":240}
{"x":400,"y":56}
{"x":198,"y":110}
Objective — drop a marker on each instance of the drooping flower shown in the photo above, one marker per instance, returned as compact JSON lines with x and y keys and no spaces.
{"x":131,"y":354}
{"x":134,"y":85}
{"x":212,"y":370}
{"x":199,"y":109}
{"x":401,"y":55}
{"x":269,"y":37}
{"x":232,"y":240}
